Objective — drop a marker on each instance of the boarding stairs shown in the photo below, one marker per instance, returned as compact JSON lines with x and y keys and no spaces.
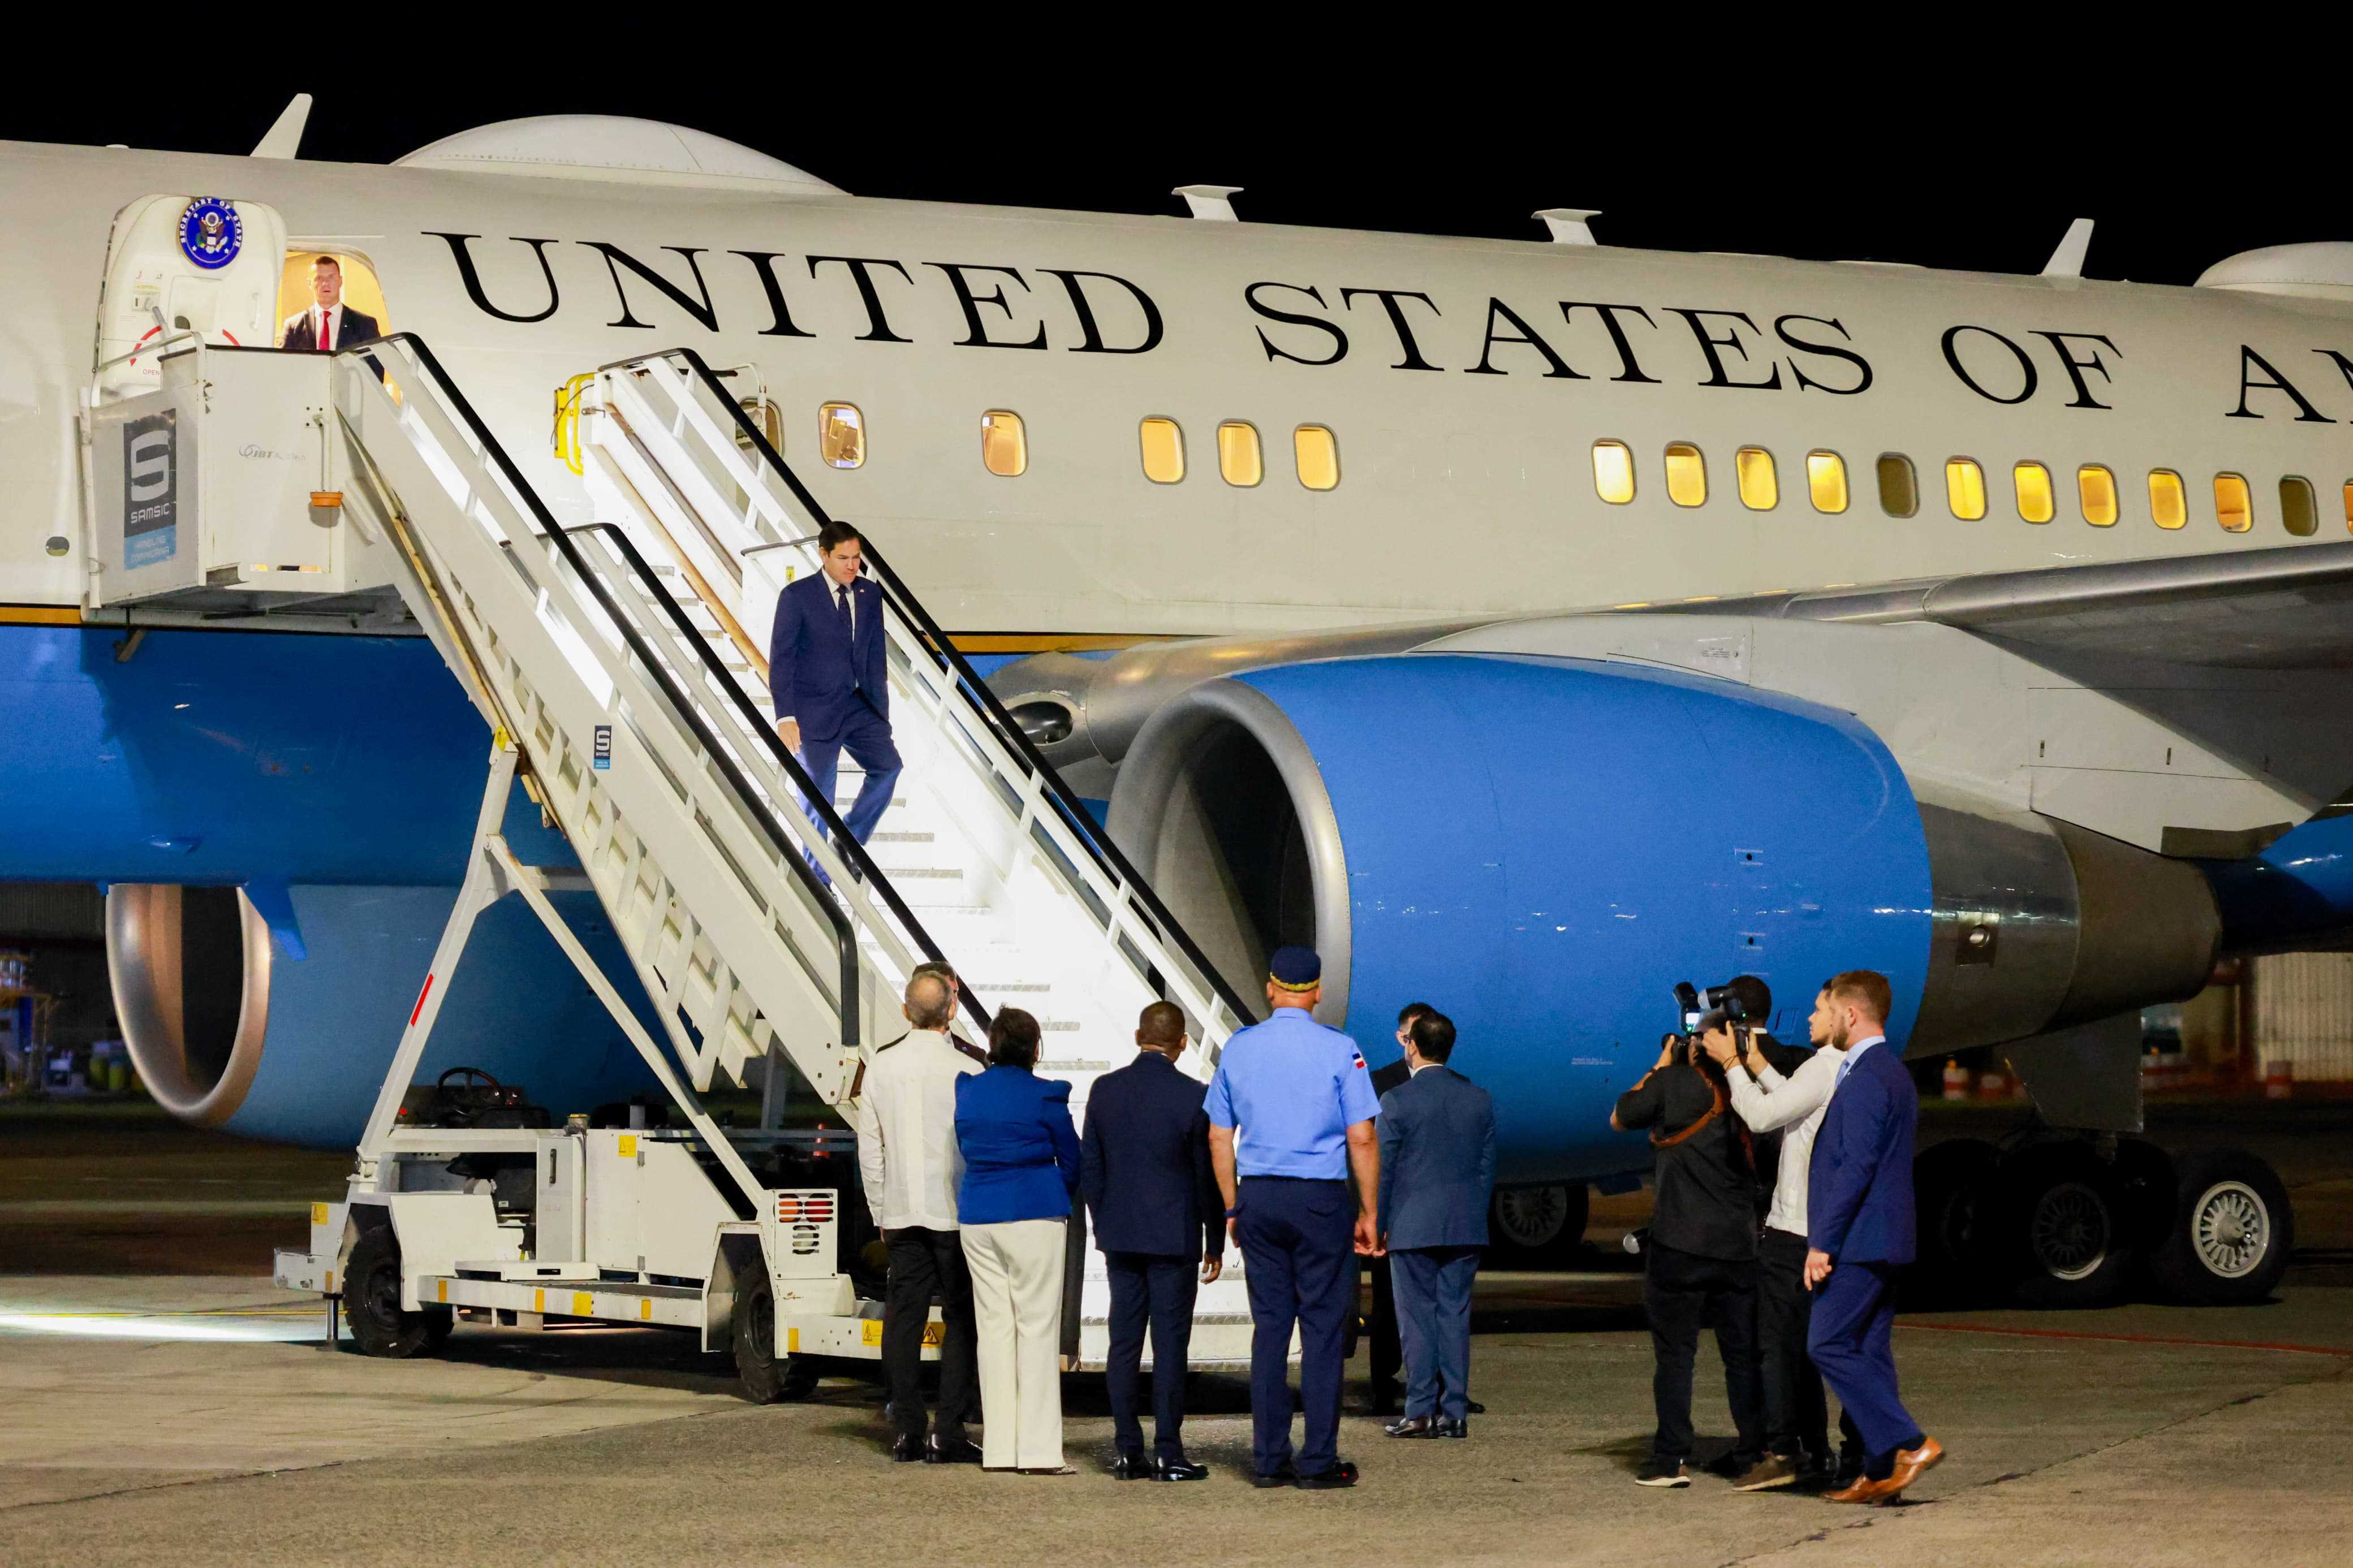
{"x":623,"y":662}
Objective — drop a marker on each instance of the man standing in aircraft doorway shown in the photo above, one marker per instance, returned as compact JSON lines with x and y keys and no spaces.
{"x":329,"y":325}
{"x":827,"y":677}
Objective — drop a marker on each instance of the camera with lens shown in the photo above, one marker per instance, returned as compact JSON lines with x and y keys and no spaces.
{"x":1704,"y":1012}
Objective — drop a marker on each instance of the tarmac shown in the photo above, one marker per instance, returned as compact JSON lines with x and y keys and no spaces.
{"x":176,"y":1409}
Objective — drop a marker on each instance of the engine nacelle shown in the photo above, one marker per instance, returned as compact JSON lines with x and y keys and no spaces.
{"x":228,"y":1031}
{"x":1542,"y":847}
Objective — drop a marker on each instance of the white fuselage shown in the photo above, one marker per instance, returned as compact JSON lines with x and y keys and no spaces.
{"x":1466,"y":452}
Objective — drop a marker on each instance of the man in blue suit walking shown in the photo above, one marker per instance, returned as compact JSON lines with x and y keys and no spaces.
{"x":1143,"y":1168}
{"x":1860,"y":1231}
{"x":827,"y":677}
{"x":1438,"y":1168}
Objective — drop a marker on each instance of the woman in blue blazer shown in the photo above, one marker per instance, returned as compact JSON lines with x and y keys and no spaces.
{"x":1021,"y":1173}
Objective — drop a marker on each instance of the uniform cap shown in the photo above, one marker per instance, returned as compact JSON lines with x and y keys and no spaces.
{"x":1295,"y":968}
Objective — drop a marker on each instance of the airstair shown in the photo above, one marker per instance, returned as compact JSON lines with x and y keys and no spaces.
{"x":621,"y":667}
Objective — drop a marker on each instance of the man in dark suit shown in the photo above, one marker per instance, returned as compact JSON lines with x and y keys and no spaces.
{"x":1389,"y":1347}
{"x":1144,"y":1170}
{"x":826,"y":676}
{"x":1437,"y":1169}
{"x":329,"y":325}
{"x":1860,"y":1231}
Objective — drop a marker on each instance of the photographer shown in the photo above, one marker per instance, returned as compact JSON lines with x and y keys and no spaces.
{"x":1699,"y":1268}
{"x":1783,"y":1092}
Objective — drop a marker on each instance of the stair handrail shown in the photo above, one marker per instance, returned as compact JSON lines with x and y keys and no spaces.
{"x":1068,"y":805}
{"x":520,"y":490}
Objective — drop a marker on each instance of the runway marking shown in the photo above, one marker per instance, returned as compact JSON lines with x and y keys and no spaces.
{"x":2124,"y":1339}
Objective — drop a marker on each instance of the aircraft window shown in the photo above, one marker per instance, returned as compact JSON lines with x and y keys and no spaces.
{"x":352,"y":283}
{"x":2095,"y":487}
{"x":1317,"y":455}
{"x":2348,"y":506}
{"x":1164,"y":451}
{"x":1687,"y":474}
{"x":840,"y":435}
{"x":1613,"y":472}
{"x":2298,"y":511}
{"x":2167,"y":506}
{"x":1238,"y":453}
{"x":2235,"y":505}
{"x":1760,"y":491}
{"x":1965,"y":488}
{"x":1004,"y":445}
{"x":1826,"y":481}
{"x":2033,"y":482}
{"x":1899,"y":488}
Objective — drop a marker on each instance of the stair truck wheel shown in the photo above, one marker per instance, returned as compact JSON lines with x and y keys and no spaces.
{"x":1538,"y":1228}
{"x":754,"y":1330}
{"x":2232,"y":1228}
{"x":1952,"y":1186}
{"x":2062,"y":1227}
{"x":371,"y":1302}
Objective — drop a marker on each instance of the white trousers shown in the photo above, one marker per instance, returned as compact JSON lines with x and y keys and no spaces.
{"x":1017,"y":1302}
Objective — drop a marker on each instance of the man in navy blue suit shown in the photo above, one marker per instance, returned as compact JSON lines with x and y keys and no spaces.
{"x":1143,"y":1169}
{"x":1860,"y":1231}
{"x":826,"y":675}
{"x":1437,"y":1169}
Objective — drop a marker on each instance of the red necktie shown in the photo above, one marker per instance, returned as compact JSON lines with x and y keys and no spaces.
{"x":326,"y":328}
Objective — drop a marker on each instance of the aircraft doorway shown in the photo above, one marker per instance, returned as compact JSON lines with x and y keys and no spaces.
{"x":317,"y":277}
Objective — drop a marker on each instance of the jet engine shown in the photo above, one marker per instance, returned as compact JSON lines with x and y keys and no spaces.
{"x":1542,"y":847}
{"x":229,"y":1030}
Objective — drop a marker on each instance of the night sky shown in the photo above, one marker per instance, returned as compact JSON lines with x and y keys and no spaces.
{"x":1856,"y":161}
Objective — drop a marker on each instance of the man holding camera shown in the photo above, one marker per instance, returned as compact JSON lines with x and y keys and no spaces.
{"x":1700,"y":1266}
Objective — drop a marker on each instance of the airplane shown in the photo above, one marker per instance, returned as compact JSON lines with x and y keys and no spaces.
{"x":1528,"y":625}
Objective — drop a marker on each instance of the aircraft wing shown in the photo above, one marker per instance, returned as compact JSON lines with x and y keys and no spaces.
{"x":2279,"y":608}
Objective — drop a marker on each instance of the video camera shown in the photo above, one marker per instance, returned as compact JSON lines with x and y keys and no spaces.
{"x":1704,"y":1012}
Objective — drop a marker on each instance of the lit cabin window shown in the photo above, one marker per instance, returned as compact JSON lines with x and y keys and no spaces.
{"x":1899,"y":488}
{"x":1687,"y":474}
{"x":840,"y":435}
{"x":1826,"y":481}
{"x":2298,"y":511}
{"x":2095,"y":489}
{"x":2033,"y":482}
{"x":2348,"y":506}
{"x":2234,"y":507}
{"x":1238,"y":453}
{"x":2168,"y":506}
{"x":1613,"y":472}
{"x":1965,"y":488}
{"x":1004,"y":447}
{"x":1317,"y":455}
{"x":1760,"y":492}
{"x":1164,"y":451}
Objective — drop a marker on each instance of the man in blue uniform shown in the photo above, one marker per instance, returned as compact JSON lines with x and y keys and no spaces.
{"x":827,"y":675}
{"x":1291,"y":1122}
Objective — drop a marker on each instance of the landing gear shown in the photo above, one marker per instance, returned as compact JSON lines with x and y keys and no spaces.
{"x":1538,"y":1228}
{"x":372,"y":1302}
{"x":2060,"y":1222}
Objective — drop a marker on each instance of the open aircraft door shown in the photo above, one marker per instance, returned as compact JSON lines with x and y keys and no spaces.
{"x":176,"y":265}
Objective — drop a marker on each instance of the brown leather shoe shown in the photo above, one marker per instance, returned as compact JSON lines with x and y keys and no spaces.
{"x":1911,"y":1462}
{"x":1863,"y":1490}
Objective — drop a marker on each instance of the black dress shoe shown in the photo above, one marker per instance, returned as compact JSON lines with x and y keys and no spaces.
{"x":1451,"y":1429}
{"x":953,"y":1451}
{"x":1413,"y":1426}
{"x":1179,"y":1471}
{"x":1473,"y":1408}
{"x":1131,"y":1468}
{"x":1285,"y":1477}
{"x":1342,"y":1474}
{"x":907,"y":1448}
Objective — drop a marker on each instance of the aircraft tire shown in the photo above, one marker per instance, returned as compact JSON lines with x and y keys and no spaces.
{"x":2233,"y":1229}
{"x":1538,"y":1228}
{"x":2060,"y":1223}
{"x":1952,"y":1186}
{"x":372,"y":1310}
